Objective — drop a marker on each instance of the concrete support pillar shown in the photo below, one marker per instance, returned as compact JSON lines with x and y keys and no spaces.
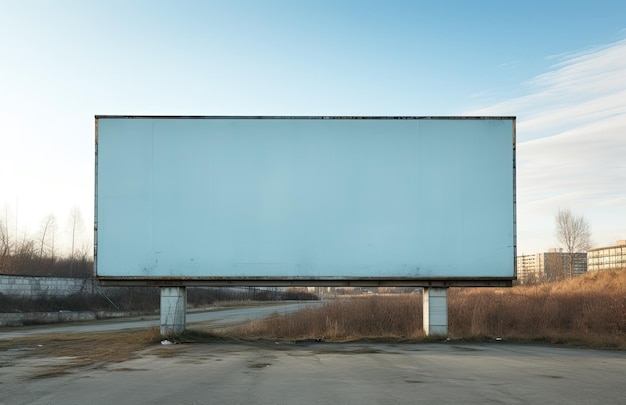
{"x":173,"y":310}
{"x":435,"y":303}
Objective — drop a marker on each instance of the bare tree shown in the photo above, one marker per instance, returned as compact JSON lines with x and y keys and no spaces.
{"x":5,"y":248}
{"x":5,"y":236}
{"x":75,"y":229}
{"x":573,"y":233}
{"x":24,"y":254}
{"x":46,"y":237}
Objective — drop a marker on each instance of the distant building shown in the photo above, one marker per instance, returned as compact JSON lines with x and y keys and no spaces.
{"x":610,"y":257}
{"x":550,"y":265}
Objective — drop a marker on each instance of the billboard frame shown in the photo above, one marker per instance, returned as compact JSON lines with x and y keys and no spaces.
{"x":178,"y":281}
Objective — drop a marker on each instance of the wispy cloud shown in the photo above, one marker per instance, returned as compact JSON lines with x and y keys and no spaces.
{"x":579,"y":90}
{"x":572,"y":145}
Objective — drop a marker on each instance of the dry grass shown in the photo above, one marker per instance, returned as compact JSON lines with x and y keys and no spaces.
{"x":67,"y":352}
{"x":588,"y":311}
{"x":356,"y":318}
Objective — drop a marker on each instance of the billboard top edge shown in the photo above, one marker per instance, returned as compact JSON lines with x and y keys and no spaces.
{"x":307,"y":117}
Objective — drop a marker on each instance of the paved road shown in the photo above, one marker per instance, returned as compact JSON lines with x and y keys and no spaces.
{"x":220,"y":317}
{"x":319,"y":373}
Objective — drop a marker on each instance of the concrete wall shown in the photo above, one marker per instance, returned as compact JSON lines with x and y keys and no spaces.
{"x":38,"y":318}
{"x":39,"y":286}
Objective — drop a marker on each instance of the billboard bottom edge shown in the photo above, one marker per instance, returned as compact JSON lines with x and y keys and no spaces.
{"x":269,"y":282}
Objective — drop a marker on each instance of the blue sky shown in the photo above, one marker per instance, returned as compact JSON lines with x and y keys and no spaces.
{"x":560,"y":67}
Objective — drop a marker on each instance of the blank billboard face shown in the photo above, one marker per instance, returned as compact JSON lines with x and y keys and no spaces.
{"x":305,"y":198}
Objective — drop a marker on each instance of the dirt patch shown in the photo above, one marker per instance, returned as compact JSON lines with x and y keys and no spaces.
{"x":58,"y":354}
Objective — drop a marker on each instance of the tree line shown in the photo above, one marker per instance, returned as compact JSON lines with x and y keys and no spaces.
{"x":40,"y":254}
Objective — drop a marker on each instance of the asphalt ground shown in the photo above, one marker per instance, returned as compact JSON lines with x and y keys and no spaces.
{"x":266,"y":372}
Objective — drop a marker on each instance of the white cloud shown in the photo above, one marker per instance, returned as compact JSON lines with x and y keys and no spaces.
{"x":572,"y":146}
{"x":581,"y":89}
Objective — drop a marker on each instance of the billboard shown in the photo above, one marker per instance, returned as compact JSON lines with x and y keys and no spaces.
{"x":305,"y":200}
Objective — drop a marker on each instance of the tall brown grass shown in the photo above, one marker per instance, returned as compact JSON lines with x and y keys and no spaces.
{"x":589,"y":310}
{"x":345,"y":319}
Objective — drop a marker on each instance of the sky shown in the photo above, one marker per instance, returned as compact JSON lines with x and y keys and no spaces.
{"x":559,"y":67}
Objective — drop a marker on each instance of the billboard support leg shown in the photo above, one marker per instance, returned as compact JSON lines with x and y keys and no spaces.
{"x":435,"y":306}
{"x":173,"y":310}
